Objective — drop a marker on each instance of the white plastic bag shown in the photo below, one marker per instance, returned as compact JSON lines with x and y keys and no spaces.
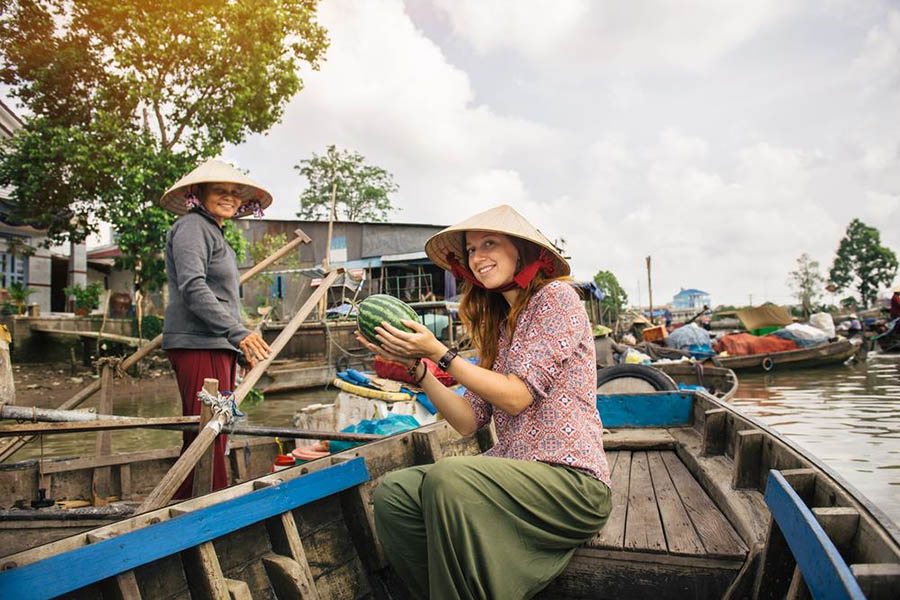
{"x":823,"y":321}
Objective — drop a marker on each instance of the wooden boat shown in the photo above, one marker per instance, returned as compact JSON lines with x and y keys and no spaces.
{"x":832,"y":353}
{"x":720,"y":382}
{"x":708,"y":504}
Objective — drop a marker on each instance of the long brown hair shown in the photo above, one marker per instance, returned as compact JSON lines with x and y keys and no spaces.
{"x":483,"y":312}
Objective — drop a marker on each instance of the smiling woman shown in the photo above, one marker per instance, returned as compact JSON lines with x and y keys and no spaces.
{"x":203,"y":332}
{"x":543,"y":488}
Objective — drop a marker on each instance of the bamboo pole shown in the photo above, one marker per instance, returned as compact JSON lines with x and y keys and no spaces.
{"x":169,"y":484}
{"x":203,"y":472}
{"x":100,"y":485}
{"x":650,"y":291}
{"x":112,"y":423}
{"x":13,"y":446}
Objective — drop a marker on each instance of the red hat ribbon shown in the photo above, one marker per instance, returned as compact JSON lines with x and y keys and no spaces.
{"x":522,"y":279}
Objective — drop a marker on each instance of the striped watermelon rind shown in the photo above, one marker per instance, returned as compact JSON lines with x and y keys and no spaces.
{"x":382,"y":307}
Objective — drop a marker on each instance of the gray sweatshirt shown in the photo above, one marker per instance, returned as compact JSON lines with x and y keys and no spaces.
{"x":204,"y":304}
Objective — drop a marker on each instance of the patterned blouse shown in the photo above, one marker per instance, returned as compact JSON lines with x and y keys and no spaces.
{"x":552,"y":351}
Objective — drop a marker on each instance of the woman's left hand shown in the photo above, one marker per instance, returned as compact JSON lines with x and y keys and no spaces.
{"x":420,"y":343}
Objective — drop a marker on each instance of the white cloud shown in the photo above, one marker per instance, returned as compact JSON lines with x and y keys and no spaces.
{"x":690,"y":34}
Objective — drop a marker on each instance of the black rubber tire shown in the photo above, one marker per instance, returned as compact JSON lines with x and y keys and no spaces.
{"x":656,"y":378}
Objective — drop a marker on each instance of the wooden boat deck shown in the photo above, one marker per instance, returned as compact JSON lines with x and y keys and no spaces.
{"x":659,"y":507}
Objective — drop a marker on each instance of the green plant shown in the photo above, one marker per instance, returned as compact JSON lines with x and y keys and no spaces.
{"x":19,"y":293}
{"x":862,"y":261}
{"x":151,"y":326}
{"x":87,"y":297}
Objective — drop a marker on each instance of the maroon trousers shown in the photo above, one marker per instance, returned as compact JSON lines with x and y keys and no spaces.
{"x":191,"y":368}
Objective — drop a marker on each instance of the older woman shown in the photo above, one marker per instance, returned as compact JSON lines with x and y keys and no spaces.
{"x":504,"y":524}
{"x":203,"y":331}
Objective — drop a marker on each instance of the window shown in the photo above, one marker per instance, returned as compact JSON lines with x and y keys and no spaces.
{"x":13,"y":268}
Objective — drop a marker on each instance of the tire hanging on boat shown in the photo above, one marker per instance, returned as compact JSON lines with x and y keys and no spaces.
{"x":654,"y":377}
{"x":768,"y":364}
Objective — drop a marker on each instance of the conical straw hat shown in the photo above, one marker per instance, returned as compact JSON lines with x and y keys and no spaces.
{"x":213,"y":171}
{"x":502,"y":219}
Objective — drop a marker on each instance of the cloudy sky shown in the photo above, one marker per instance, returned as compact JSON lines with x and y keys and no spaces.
{"x":723,"y":139}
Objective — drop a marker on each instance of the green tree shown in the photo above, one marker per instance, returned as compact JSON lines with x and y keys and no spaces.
{"x":126,"y":96}
{"x":361,"y":191}
{"x":807,"y":283}
{"x":863,"y":261}
{"x":615,"y":300}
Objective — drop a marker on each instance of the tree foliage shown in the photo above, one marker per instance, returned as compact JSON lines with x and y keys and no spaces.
{"x":863,"y":261}
{"x":127,"y":96}
{"x":615,"y":300}
{"x":807,"y":283}
{"x":362,"y":191}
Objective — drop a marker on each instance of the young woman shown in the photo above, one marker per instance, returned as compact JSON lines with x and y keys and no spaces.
{"x":203,"y":331}
{"x":504,"y":524}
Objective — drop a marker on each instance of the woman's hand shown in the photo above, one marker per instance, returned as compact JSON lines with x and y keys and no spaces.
{"x":420,"y":343}
{"x":254,"y":348}
{"x":378,"y":350}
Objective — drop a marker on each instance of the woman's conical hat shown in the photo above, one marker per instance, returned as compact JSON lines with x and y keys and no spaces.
{"x":502,"y":219}
{"x":213,"y":171}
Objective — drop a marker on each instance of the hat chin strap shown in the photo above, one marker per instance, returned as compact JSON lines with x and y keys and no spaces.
{"x":521,"y":279}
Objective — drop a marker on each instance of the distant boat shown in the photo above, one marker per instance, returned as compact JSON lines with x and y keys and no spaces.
{"x":832,"y":353}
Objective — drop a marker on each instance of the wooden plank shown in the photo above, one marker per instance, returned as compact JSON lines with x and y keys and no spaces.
{"x":238,"y":590}
{"x":643,"y":528}
{"x":747,"y":457}
{"x":359,"y":515}
{"x":126,"y":489}
{"x":123,"y":586}
{"x":204,"y":573}
{"x":96,"y":425}
{"x":203,"y":472}
{"x":75,"y":464}
{"x":638,"y":439}
{"x":715,"y":532}
{"x":681,"y":538}
{"x":798,"y":590}
{"x":613,"y":533}
{"x":714,"y":431}
{"x":654,"y":409}
{"x":776,"y":572}
{"x":840,"y":523}
{"x":285,"y":540}
{"x":879,"y":581}
{"x":101,"y":487}
{"x":95,"y":562}
{"x":427,"y":446}
{"x":286,"y":576}
{"x":824,"y":571}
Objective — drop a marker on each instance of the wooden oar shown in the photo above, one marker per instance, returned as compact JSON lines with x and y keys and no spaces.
{"x":180,"y":424}
{"x":127,"y":363}
{"x":185,"y":464}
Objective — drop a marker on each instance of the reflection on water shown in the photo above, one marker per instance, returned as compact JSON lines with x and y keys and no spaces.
{"x":849,"y":417}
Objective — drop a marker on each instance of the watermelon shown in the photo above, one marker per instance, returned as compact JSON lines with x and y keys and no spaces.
{"x":382,"y":307}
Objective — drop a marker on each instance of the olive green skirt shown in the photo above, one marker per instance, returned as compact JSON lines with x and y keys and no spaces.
{"x":485,"y":527}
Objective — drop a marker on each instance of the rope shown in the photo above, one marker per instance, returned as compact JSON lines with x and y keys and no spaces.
{"x":222,"y":402}
{"x":114,"y":362}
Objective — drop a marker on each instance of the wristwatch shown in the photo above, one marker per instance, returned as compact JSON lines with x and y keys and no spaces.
{"x":444,"y":363}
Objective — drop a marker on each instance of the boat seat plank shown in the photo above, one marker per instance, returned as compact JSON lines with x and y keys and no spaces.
{"x":643,"y":527}
{"x":681,"y":537}
{"x":613,"y":533}
{"x":717,"y":535}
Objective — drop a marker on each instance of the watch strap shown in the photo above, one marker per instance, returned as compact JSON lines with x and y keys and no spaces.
{"x":444,"y":362}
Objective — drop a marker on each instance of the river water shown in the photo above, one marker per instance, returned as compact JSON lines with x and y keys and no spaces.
{"x":848,"y":416}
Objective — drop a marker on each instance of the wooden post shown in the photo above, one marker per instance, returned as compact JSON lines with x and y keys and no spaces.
{"x":7,"y":383}
{"x":650,"y":291}
{"x":100,"y":487}
{"x":747,"y":459}
{"x":185,"y":464}
{"x":203,"y":473}
{"x":326,"y":263}
{"x":714,"y":431}
{"x":13,"y":446}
